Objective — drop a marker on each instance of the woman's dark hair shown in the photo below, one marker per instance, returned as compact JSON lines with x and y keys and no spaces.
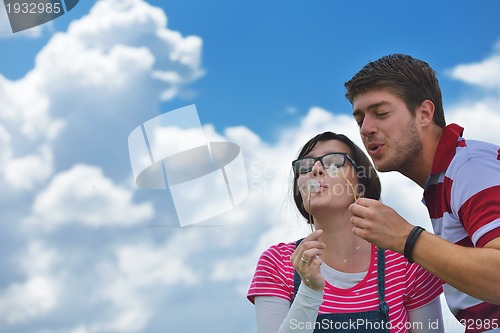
{"x":366,"y":174}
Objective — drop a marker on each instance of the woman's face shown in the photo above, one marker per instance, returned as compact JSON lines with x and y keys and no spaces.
{"x":334,"y":190}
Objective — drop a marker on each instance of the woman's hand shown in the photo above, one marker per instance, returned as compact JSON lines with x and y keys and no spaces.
{"x":306,"y":261}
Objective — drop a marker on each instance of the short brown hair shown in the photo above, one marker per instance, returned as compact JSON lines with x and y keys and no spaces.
{"x":411,"y":79}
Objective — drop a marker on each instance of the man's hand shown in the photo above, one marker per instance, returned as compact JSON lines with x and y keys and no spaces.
{"x":379,"y":224}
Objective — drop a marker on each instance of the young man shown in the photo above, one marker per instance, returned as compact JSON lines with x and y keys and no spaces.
{"x":398,"y":106}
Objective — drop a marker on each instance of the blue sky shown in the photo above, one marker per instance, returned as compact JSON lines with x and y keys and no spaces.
{"x":86,"y":250}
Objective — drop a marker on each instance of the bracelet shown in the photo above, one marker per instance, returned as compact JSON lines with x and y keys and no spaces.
{"x":410,"y":242}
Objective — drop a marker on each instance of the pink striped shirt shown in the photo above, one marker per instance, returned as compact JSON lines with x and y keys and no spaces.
{"x":408,"y":286}
{"x":462,"y":196}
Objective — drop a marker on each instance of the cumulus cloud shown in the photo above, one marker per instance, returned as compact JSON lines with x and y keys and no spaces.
{"x":480,"y":116}
{"x":137,"y":25}
{"x":485,"y":74}
{"x":39,"y":293}
{"x":5,"y":147}
{"x":27,"y":134}
{"x":63,"y":134}
{"x":26,"y":171}
{"x":30,"y":299}
{"x":136,"y":278}
{"x":84,"y":195}
{"x":122,"y":55}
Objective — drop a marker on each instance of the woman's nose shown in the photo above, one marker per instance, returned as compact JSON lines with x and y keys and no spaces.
{"x":318,"y":168}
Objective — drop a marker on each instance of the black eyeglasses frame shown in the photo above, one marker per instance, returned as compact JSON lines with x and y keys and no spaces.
{"x":320,"y":158}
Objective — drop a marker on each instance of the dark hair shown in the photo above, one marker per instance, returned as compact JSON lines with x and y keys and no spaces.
{"x":367,"y":176}
{"x":411,"y":79}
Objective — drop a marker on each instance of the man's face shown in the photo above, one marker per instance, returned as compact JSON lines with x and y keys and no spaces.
{"x":389,"y":131}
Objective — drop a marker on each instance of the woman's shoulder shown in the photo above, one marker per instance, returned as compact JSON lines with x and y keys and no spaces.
{"x":394,"y":257}
{"x":277,"y":258}
{"x":397,"y":263}
{"x":280,"y":250}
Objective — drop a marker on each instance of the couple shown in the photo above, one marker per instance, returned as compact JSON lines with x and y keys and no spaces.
{"x":339,"y":278}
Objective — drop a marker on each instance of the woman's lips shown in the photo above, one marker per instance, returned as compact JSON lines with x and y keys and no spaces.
{"x":321,"y":188}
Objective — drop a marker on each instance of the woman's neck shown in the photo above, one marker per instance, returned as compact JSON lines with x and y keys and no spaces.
{"x":344,"y":251}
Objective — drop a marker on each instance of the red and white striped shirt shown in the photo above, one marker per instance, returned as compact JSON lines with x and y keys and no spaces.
{"x":407,"y":286}
{"x":462,"y":196}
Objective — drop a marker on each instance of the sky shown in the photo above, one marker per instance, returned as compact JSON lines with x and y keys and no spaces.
{"x":84,"y":249}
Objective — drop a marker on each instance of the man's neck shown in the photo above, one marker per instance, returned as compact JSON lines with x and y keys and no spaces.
{"x":421,"y":172}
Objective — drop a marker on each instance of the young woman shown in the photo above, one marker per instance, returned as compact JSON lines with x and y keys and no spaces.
{"x":333,"y":281}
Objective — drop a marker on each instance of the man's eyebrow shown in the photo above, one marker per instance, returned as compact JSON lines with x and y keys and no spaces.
{"x":358,"y":112}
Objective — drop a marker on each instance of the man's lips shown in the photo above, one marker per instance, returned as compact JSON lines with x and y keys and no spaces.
{"x":375,"y":148}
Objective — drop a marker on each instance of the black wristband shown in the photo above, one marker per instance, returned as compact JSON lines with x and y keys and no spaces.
{"x":410,"y":242}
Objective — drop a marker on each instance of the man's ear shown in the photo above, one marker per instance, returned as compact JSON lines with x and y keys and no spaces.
{"x":425,"y":113}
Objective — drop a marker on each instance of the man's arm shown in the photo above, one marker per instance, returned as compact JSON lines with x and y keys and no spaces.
{"x":474,"y":271}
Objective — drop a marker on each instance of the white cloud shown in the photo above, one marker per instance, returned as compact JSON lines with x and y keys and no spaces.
{"x":26,"y":171}
{"x":138,"y":24}
{"x":33,"y":298}
{"x":124,"y":57}
{"x":39,"y":259}
{"x":485,"y":74}
{"x":62,"y":137}
{"x":172,"y":140}
{"x":84,"y":195}
{"x":26,"y":135}
{"x":39,"y":293}
{"x":5,"y":147}
{"x":479,"y":118}
{"x":134,"y":283}
{"x":27,"y":117}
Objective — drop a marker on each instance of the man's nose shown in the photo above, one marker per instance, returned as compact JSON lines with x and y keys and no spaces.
{"x":367,"y":127}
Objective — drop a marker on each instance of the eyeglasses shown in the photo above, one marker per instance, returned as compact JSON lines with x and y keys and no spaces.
{"x":304,"y":165}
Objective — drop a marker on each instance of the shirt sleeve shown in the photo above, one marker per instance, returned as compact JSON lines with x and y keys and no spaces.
{"x":274,"y":273}
{"x":428,"y":318}
{"x":475,"y":198}
{"x":422,"y":287}
{"x":275,"y":315}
